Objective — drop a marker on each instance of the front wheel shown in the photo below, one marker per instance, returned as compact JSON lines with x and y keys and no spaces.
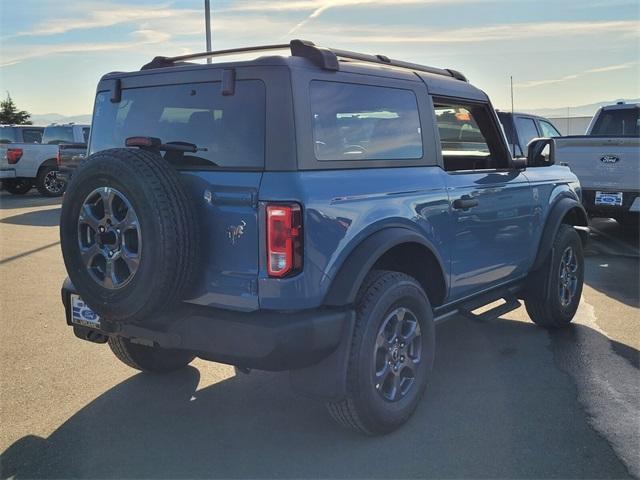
{"x":554,"y":291}
{"x":149,"y":359}
{"x":391,"y":357}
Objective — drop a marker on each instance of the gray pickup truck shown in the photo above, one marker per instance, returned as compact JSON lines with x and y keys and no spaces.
{"x":607,"y":162}
{"x":25,"y":162}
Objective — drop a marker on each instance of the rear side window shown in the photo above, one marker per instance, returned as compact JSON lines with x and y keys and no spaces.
{"x":85,"y":134}
{"x":621,"y":122}
{"x":229,"y":129}
{"x":57,"y":135}
{"x":7,"y":135}
{"x":364,"y":122}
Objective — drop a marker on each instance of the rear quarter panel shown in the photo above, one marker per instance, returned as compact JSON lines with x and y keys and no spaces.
{"x":33,"y":156}
{"x":343,"y":207}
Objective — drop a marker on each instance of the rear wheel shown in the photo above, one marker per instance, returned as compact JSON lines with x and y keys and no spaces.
{"x":48,"y":183}
{"x":149,"y":359}
{"x":391,"y":356}
{"x":554,"y":291}
{"x":17,"y":186}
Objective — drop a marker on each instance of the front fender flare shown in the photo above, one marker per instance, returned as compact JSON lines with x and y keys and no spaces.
{"x":556,"y":216}
{"x":345,"y":285}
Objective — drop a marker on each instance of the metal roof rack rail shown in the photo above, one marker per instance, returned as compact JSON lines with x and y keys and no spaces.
{"x":325,"y":58}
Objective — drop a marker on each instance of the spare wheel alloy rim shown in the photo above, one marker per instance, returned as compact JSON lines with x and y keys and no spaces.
{"x":109,"y":238}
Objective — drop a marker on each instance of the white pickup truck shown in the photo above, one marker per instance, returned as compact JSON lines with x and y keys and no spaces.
{"x":26,"y":161}
{"x":607,"y":162}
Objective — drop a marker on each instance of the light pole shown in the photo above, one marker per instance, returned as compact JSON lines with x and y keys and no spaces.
{"x":207,"y":23}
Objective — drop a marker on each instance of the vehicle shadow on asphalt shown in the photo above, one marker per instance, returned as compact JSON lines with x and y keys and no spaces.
{"x":11,"y":202}
{"x":38,"y":218}
{"x":612,"y":262}
{"x":496,"y":406}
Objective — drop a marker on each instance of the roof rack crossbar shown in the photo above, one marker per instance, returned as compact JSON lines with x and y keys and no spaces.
{"x":326,"y":58}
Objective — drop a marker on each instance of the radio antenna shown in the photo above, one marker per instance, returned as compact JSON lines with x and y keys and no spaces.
{"x":513,"y":120}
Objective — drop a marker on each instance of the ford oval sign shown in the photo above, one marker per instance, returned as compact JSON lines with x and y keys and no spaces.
{"x":609,"y":159}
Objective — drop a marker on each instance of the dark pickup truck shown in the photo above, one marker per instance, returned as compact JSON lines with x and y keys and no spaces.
{"x":70,"y":156}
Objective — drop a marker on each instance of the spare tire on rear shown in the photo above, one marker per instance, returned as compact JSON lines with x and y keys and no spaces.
{"x":128,"y":234}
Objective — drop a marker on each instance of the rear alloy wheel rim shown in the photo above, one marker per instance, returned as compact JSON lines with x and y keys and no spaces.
{"x":52,"y":183}
{"x":109,"y":238}
{"x":568,"y":277}
{"x":397,"y":355}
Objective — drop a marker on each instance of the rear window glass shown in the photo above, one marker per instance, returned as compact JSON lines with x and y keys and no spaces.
{"x":57,"y":135}
{"x":621,"y":122}
{"x":363,"y":122}
{"x":230,"y":129}
{"x":32,"y":135}
{"x":7,"y":135}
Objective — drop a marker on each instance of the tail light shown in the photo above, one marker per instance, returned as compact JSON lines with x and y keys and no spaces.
{"x":13,"y":155}
{"x":58,"y":161}
{"x":284,"y":239}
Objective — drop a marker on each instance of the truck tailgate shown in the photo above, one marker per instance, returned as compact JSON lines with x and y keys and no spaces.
{"x":607,"y":163}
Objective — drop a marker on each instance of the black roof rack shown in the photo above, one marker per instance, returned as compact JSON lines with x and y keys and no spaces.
{"x":326,"y":58}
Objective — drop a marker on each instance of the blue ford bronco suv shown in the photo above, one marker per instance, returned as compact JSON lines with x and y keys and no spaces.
{"x":316,"y":212}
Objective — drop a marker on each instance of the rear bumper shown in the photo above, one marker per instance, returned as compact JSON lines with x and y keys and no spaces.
{"x":264,"y":340}
{"x":630,"y":203}
{"x":7,"y":173}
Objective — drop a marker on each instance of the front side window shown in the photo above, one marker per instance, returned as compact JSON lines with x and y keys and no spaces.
{"x":469,"y":138}
{"x":548,"y":130}
{"x":230,"y":130}
{"x":55,"y":135}
{"x":527,"y":130}
{"x":620,"y":122}
{"x":364,"y":122}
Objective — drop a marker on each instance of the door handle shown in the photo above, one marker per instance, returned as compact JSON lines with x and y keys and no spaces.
{"x":465,"y":202}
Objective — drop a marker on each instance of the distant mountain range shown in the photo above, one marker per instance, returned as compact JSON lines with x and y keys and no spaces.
{"x":49,"y":118}
{"x":579,"y":111}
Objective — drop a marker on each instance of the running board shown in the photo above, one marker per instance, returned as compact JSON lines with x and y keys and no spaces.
{"x":466,"y":307}
{"x":510,"y":304}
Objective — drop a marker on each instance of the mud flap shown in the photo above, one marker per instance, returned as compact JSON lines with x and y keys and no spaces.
{"x":327,"y":380}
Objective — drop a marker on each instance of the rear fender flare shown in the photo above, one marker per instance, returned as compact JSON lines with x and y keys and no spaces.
{"x":347,"y":282}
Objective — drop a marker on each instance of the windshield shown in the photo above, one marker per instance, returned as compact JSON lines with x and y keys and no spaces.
{"x":230,"y":129}
{"x":619,"y":122}
{"x":57,"y":135}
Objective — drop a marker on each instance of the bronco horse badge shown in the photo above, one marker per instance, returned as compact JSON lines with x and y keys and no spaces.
{"x":234,"y":232}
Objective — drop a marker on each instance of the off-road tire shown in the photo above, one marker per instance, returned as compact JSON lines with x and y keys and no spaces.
{"x":40,"y":182}
{"x":168,"y":257}
{"x":363,"y":409}
{"x":17,"y":186}
{"x":149,"y":359}
{"x":542,"y":298}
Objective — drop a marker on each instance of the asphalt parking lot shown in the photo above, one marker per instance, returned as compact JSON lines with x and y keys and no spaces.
{"x":507,"y":400}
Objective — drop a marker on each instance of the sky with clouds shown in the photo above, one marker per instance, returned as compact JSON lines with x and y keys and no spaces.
{"x":560,"y":52}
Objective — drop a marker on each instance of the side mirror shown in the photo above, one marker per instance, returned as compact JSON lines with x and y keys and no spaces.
{"x":541,"y":152}
{"x":519,"y":163}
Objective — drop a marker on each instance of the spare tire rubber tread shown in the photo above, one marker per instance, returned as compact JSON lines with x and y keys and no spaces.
{"x":172,"y":210}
